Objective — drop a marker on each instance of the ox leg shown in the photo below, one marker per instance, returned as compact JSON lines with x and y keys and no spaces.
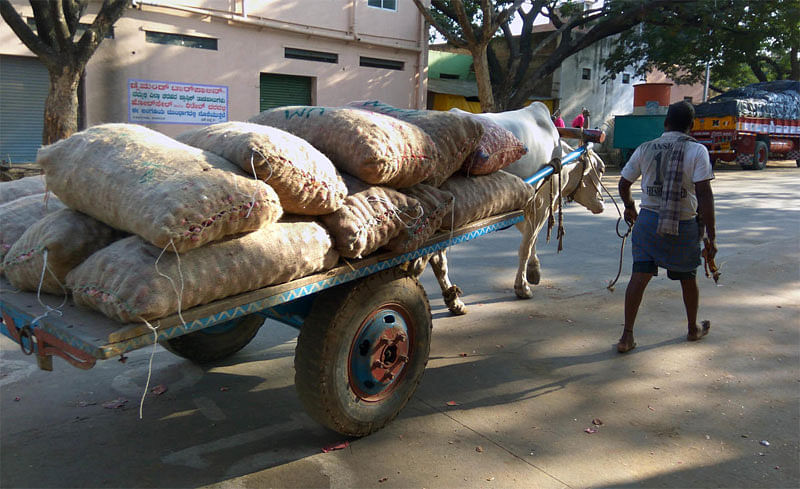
{"x":450,"y":292}
{"x":534,"y":269}
{"x":521,"y":288}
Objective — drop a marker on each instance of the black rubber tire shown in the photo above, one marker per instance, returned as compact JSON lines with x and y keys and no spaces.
{"x":322,"y":362}
{"x":206,"y":346}
{"x":760,"y":156}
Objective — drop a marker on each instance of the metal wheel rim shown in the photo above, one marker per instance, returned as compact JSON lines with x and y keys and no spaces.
{"x":366,"y":379}
{"x":761,"y":155}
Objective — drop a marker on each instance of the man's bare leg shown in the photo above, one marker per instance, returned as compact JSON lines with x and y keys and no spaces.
{"x":691,"y":300}
{"x":633,"y":299}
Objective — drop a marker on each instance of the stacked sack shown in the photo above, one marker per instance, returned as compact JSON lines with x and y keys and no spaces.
{"x":409,"y":172}
{"x":142,"y":226}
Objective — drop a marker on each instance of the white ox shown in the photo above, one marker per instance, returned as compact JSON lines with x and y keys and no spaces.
{"x":531,"y":125}
{"x":579,"y":182}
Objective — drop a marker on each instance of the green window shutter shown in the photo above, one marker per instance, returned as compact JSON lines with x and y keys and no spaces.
{"x":280,"y":90}
{"x":24,"y":84}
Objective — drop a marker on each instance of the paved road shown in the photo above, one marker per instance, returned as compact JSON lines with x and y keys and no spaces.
{"x":535,"y":375}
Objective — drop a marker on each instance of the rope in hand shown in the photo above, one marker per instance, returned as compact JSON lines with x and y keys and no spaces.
{"x":622,"y":236}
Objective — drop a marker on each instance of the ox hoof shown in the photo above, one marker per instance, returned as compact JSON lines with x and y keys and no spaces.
{"x":533,"y":275}
{"x":454,"y":304}
{"x":523,"y":292}
{"x":457,"y":308}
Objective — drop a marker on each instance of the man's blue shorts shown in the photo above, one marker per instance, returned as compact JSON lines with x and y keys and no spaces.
{"x":680,"y":254}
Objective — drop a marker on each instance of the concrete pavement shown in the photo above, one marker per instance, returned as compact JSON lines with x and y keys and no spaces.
{"x":535,"y":376}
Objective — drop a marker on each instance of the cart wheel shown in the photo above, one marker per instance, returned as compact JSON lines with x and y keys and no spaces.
{"x":760,"y":156}
{"x":362,"y":351}
{"x":216,"y":342}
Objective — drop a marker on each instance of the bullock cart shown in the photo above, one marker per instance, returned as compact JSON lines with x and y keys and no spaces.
{"x":365,"y":329}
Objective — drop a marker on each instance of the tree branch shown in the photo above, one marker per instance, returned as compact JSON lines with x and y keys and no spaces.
{"x":109,"y":13}
{"x":464,"y":22}
{"x":44,"y":22}
{"x":26,"y":35}
{"x":60,"y":28}
{"x":73,"y":10}
{"x":454,"y":40}
{"x":568,"y":47}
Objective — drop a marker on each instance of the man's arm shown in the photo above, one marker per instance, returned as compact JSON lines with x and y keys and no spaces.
{"x":705,"y":206}
{"x":624,"y":188}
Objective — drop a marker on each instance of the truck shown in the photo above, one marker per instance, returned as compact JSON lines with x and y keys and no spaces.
{"x":752,"y":124}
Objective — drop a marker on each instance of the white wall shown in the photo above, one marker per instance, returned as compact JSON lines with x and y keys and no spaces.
{"x":604,"y":100}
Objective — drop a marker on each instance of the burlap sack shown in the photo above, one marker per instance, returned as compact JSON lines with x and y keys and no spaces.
{"x":69,"y":238}
{"x":455,"y":136}
{"x":437,"y":206}
{"x":484,"y":196}
{"x":20,"y":214}
{"x":15,"y":189}
{"x":139,"y":180}
{"x":497,"y":148}
{"x":370,"y":217}
{"x":122,"y":281}
{"x":378,"y":149}
{"x":304,"y":179}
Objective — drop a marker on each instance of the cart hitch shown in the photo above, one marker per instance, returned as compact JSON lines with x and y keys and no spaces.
{"x":34,"y":339}
{"x":26,"y":332}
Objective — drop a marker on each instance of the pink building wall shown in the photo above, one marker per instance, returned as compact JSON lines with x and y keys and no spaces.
{"x":252,"y":36}
{"x":678,"y":92}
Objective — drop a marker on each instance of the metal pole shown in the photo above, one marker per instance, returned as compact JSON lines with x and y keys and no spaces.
{"x":570,"y":159}
{"x":708,"y":77}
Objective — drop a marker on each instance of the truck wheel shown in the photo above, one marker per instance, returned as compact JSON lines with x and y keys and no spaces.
{"x":760,"y":156}
{"x":362,"y":351}
{"x":216,"y":342}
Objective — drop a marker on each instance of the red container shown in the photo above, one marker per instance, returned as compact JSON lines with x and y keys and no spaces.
{"x":651,"y":92}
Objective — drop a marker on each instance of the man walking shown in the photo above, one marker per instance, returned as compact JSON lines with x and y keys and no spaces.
{"x":676,"y":185}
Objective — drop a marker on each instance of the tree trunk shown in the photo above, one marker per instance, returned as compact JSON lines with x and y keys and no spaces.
{"x":794,"y":62}
{"x":61,"y":106}
{"x":481,"y":64}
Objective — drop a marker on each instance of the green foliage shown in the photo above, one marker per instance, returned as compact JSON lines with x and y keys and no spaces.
{"x":515,"y":70}
{"x":743,"y":42}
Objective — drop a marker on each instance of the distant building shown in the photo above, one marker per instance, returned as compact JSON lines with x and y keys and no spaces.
{"x":577,"y":83}
{"x":173,"y":65}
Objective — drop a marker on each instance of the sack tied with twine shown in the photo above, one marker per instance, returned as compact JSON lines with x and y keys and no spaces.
{"x":141,"y":181}
{"x":305,"y":180}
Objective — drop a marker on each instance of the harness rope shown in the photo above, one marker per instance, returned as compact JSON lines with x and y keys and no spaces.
{"x":557,"y":167}
{"x":611,"y":284}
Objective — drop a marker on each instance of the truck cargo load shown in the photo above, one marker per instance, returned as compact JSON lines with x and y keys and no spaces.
{"x":751,"y":124}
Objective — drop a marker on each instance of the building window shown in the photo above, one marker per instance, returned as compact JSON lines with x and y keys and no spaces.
{"x":626,"y":78}
{"x":308,"y":55}
{"x":587,"y":74}
{"x":180,"y":40}
{"x":687,"y":99}
{"x":78,"y":32}
{"x":384,"y":4}
{"x":387,"y":64}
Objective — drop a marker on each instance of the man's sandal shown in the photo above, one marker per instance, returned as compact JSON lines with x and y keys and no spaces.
{"x":698,"y":335}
